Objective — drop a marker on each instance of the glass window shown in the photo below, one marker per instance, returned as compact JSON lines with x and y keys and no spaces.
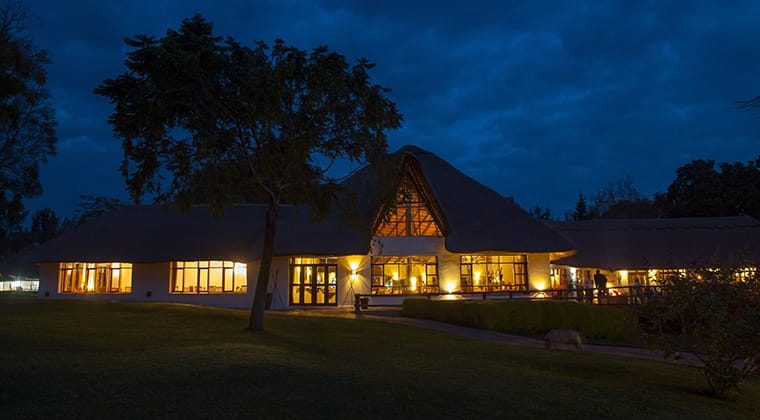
{"x":313,"y":281}
{"x":192,"y":277}
{"x":411,"y":216}
{"x":493,"y":273}
{"x":95,"y":278}
{"x":404,"y":275}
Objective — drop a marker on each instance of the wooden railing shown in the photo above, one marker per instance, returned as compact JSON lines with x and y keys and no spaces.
{"x":616,"y":295}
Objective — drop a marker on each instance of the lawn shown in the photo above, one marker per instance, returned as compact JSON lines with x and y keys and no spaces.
{"x":88,"y":360}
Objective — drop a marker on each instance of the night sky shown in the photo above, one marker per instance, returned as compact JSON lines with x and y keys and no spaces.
{"x":538,"y":101}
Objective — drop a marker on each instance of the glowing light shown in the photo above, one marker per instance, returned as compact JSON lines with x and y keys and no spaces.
{"x":240,"y":269}
{"x":395,"y":276}
{"x":354,"y":265}
{"x":450,"y":286}
{"x":540,"y":285}
{"x":477,"y":278}
{"x":413,"y":283}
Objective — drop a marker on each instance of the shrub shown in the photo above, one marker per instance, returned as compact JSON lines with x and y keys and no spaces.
{"x":529,"y":317}
{"x":715,"y":315}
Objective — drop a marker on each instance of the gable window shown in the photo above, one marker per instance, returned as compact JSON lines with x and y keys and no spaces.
{"x":411,"y":215}
{"x":193,"y":277}
{"x":95,"y":278}
{"x":404,"y":275}
{"x":314,"y":281}
{"x":493,"y":273}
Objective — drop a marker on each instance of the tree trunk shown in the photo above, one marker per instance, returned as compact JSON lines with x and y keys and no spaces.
{"x":256,"y":321}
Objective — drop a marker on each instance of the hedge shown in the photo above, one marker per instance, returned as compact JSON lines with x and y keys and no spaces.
{"x":529,"y":317}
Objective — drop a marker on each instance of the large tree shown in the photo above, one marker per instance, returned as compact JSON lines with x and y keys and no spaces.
{"x":27,"y":120}
{"x":191,"y":102}
{"x":702,"y":189}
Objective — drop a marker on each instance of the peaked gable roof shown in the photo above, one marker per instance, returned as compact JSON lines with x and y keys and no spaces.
{"x":478,"y":219}
{"x":662,"y":243}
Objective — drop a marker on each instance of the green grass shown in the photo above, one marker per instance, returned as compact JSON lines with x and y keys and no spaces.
{"x":82,"y":359}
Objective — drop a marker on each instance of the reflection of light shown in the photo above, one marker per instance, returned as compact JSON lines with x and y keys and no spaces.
{"x":413,"y":282}
{"x":450,"y":297}
{"x":240,"y":269}
{"x":540,"y":295}
{"x":450,"y":286}
{"x":477,"y":278}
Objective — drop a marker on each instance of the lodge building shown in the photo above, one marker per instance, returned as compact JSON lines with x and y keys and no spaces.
{"x":446,"y":234}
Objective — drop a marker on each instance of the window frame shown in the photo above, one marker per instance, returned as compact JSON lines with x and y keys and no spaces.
{"x":431,"y":272}
{"x":202,"y":270}
{"x":328,"y":265}
{"x":100,"y":273}
{"x":469,"y":286}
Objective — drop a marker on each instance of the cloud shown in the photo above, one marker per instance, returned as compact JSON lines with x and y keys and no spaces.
{"x":537,"y":100}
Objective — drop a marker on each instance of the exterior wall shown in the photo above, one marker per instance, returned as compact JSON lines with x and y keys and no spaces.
{"x":539,"y":271}
{"x":150,"y":282}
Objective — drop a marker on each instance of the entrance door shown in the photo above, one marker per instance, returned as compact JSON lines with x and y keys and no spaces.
{"x":313,"y":284}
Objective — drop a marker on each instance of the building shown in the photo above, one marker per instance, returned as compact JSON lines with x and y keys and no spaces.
{"x":651,"y":250}
{"x":447,"y":233}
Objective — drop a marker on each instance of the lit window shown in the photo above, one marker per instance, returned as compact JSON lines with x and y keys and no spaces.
{"x":493,"y":273}
{"x":404,"y":275}
{"x":193,"y":277}
{"x":411,"y":216}
{"x":314,"y":281}
{"x":95,"y":278}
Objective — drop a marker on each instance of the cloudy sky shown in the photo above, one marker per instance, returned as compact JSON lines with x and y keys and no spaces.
{"x":538,"y":101}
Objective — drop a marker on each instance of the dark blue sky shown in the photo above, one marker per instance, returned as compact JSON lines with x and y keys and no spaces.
{"x":538,"y":101}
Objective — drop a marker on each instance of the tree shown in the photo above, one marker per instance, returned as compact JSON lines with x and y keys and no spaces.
{"x":191,"y":100}
{"x":27,"y":120}
{"x":541,"y":213}
{"x":45,"y":225}
{"x":715,"y":315}
{"x":614,"y":193}
{"x":581,"y":211}
{"x":703,"y":190}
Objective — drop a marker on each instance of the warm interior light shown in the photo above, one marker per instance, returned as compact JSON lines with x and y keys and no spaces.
{"x":450,"y":286}
{"x":540,"y":285}
{"x":477,"y":278}
{"x":413,"y":283}
{"x":395,"y":276}
{"x":354,"y":265}
{"x":354,"y":276}
{"x":240,"y":269}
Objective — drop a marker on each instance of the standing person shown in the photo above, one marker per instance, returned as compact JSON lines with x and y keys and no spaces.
{"x":600,"y":282}
{"x":588,"y":287}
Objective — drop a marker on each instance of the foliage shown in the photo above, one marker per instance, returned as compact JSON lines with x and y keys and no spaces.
{"x":540,"y":213}
{"x":45,"y":225}
{"x":714,"y":314}
{"x":581,"y":211}
{"x":702,"y":190}
{"x":529,"y":317}
{"x":27,"y":120}
{"x":194,"y":103}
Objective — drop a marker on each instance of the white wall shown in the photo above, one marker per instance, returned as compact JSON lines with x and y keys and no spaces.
{"x":154,"y":277}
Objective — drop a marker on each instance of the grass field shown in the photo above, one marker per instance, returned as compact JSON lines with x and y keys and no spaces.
{"x":90,"y":360}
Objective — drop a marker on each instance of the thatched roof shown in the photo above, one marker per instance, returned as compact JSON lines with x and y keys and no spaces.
{"x":478,"y":219}
{"x":662,"y":243}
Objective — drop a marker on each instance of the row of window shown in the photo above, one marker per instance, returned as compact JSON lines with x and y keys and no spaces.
{"x":186,"y":277}
{"x":313,"y":281}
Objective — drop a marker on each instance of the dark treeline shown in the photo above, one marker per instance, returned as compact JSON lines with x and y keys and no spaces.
{"x":702,"y":188}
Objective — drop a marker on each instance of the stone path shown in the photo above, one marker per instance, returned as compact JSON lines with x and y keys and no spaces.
{"x":394,"y":316}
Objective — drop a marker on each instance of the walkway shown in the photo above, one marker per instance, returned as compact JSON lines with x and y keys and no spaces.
{"x":394,"y":316}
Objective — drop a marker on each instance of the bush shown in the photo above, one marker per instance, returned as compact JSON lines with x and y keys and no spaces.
{"x":714,"y":315}
{"x":529,"y":317}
